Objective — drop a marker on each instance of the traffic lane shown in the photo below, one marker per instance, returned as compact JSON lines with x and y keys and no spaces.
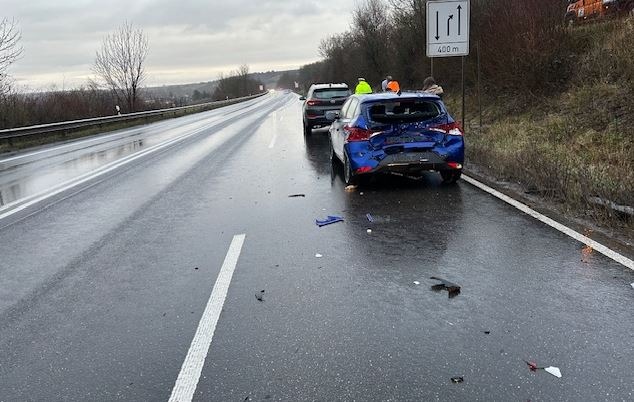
{"x":61,"y":233}
{"x":116,"y":322}
{"x":353,"y":325}
{"x":245,"y":190}
{"x":33,"y":171}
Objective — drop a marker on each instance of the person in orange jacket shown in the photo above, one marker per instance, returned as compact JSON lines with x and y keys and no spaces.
{"x":393,"y":86}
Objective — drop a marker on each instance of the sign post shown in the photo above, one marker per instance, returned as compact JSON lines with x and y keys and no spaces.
{"x":448,"y":26}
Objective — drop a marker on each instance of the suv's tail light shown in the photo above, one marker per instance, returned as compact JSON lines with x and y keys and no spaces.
{"x":313,"y":102}
{"x":450,"y":129}
{"x":357,"y":134}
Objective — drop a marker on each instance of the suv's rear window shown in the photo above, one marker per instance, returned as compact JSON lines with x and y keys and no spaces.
{"x":405,"y":110}
{"x":331,"y":93}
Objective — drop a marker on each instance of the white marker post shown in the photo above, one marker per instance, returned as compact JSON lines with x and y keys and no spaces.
{"x":448,"y":26}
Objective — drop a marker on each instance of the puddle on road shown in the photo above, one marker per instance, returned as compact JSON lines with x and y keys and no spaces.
{"x":32,"y":178}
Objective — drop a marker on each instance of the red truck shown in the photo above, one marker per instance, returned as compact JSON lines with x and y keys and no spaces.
{"x":585,"y":10}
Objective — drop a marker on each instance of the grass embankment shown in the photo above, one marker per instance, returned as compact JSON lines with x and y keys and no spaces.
{"x":572,"y":146}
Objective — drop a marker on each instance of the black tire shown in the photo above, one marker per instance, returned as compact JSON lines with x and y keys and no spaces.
{"x":333,"y":155}
{"x":348,"y":175}
{"x":308,"y":129}
{"x":450,"y":176}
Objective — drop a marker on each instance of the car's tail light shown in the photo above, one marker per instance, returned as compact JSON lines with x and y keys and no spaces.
{"x":313,"y":102}
{"x":357,"y":134}
{"x":450,"y":129}
{"x":363,"y":169}
{"x":454,"y":165}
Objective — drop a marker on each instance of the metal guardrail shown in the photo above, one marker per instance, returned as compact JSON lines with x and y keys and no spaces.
{"x":16,"y":133}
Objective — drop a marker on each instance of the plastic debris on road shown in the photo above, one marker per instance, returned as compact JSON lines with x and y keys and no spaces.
{"x":296,"y":195}
{"x":532,"y":366}
{"x":260,"y":295}
{"x":351,"y":188}
{"x":586,"y":252}
{"x":318,"y":255}
{"x":450,"y":287}
{"x":369,"y":231}
{"x":554,"y":371}
{"x":370,"y":218}
{"x":416,"y":283}
{"x":328,"y":221}
{"x":457,"y":380}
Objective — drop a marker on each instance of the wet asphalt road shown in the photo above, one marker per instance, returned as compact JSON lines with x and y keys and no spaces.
{"x":100,"y":296}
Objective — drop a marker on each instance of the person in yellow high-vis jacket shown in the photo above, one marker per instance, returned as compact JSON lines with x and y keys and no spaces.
{"x":363,"y":88}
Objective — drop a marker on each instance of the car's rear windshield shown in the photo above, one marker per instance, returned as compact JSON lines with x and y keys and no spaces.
{"x":331,"y":93}
{"x":403,"y":110}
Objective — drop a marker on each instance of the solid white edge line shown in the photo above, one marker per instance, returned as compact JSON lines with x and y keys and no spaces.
{"x":554,"y":224}
{"x":192,"y":367}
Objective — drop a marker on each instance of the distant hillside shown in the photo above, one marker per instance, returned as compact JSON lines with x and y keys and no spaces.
{"x":269,"y":79}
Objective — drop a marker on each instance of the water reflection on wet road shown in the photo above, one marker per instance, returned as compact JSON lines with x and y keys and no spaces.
{"x":28,"y":173}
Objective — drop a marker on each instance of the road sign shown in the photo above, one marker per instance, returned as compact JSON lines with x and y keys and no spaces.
{"x":448,"y":28}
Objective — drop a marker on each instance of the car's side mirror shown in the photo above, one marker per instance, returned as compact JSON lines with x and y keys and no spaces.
{"x":302,"y":98}
{"x":332,"y":115}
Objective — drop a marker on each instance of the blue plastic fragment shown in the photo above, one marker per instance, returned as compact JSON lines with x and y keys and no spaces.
{"x":328,"y":221}
{"x":370,"y":218}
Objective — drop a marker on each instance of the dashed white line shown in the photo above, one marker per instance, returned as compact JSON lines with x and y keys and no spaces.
{"x":272,"y":144}
{"x":189,"y":375}
{"x":621,"y":259}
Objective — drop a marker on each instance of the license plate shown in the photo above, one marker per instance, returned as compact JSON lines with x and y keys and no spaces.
{"x":404,"y":140}
{"x":411,"y":158}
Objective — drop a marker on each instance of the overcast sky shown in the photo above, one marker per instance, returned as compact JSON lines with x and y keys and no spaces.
{"x":190,"y":40}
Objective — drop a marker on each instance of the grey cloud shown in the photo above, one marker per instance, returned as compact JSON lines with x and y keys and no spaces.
{"x":187,"y":38}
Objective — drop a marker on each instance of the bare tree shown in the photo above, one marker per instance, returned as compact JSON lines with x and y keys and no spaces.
{"x":120,"y":63}
{"x":10,"y":50}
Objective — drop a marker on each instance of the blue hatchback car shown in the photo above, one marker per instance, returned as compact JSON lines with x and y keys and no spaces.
{"x":408,"y":134}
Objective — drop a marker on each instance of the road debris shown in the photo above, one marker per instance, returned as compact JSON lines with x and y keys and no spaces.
{"x":457,"y":380}
{"x":328,"y":221}
{"x":260,"y":295}
{"x":318,"y":255}
{"x":554,"y":371}
{"x":450,"y":287}
{"x":361,"y":193}
{"x":369,"y":231}
{"x":416,"y":283}
{"x":370,"y":218}
{"x":296,"y":195}
{"x":351,"y":188}
{"x":632,"y":284}
{"x":196,"y":268}
{"x":586,"y":251}
{"x":532,"y":366}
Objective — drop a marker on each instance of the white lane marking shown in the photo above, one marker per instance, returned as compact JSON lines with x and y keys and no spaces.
{"x":554,"y":224}
{"x":272,"y":144}
{"x":189,"y":375}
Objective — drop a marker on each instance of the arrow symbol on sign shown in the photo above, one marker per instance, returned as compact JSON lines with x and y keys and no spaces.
{"x":448,"y":21}
{"x":437,"y":33}
{"x":459,"y":18}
